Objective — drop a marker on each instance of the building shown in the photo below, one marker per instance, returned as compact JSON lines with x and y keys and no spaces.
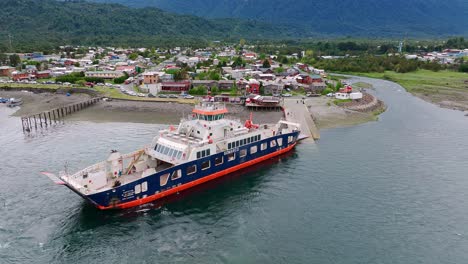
{"x":225,"y":84}
{"x":253,"y":87}
{"x":207,"y":83}
{"x":19,"y":76}
{"x":105,"y":74}
{"x":6,"y":71}
{"x":175,"y":86}
{"x":273,"y":88}
{"x":317,"y":87}
{"x":42,"y":74}
{"x":150,"y":77}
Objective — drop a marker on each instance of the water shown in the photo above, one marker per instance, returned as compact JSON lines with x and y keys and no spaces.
{"x":392,"y":191}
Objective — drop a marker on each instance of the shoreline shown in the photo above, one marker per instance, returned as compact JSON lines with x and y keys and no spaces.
{"x":323,"y":111}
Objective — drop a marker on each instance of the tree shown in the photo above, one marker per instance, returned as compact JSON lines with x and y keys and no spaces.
{"x":242,"y":42}
{"x":133,"y":56}
{"x":266,"y":64}
{"x":3,"y":59}
{"x":14,"y":60}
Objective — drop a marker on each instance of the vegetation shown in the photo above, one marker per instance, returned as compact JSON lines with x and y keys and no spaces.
{"x":332,"y":17}
{"x":200,"y":90}
{"x":45,"y":24}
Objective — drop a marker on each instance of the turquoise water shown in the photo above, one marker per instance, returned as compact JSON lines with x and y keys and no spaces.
{"x":391,"y":191}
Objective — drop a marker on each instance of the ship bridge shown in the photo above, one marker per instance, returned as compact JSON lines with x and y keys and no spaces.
{"x":209,"y":111}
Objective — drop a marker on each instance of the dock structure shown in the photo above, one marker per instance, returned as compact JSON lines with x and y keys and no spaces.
{"x":295,"y":110}
{"x":53,"y":116}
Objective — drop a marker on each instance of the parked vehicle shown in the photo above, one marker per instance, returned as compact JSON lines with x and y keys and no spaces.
{"x":162,"y":96}
{"x":188,"y":96}
{"x":330,"y":94}
{"x":286,"y":95}
{"x":173,"y":96}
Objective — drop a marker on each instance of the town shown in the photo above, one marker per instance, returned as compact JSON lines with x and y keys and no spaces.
{"x":223,"y":73}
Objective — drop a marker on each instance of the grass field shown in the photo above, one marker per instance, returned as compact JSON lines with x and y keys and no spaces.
{"x":447,"y":88}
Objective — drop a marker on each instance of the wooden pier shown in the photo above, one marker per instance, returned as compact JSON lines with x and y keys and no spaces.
{"x":50,"y":117}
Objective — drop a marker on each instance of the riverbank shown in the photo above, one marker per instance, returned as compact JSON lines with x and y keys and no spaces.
{"x":326,"y":114}
{"x":447,"y":89}
{"x":322,"y":109}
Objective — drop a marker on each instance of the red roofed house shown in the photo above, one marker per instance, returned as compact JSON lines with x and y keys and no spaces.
{"x":6,"y":70}
{"x":18,"y":76}
{"x":175,"y":86}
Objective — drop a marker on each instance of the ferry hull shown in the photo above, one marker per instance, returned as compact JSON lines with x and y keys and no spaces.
{"x":149,"y":189}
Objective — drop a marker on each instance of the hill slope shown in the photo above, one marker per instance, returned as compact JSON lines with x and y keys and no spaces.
{"x":342,"y":17}
{"x":48,"y":22}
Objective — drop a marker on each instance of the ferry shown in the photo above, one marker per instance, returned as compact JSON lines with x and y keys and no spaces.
{"x":204,"y":146}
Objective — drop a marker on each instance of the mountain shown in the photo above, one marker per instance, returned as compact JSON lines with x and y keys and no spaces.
{"x":45,"y":23}
{"x":333,"y":17}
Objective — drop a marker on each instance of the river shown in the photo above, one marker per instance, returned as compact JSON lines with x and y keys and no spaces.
{"x":390,"y":191}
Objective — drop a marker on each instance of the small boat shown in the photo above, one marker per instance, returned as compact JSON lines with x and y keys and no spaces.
{"x":4,"y":100}
{"x":14,"y":102}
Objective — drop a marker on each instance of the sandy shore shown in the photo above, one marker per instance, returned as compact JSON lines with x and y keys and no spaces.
{"x":35,"y":103}
{"x":328,"y":115}
{"x":324,"y":112}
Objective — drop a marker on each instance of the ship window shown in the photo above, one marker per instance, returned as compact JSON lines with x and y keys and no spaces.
{"x":198,"y":154}
{"x":218,"y":160}
{"x":144,"y":186}
{"x":229,"y":145}
{"x":208,"y":152}
{"x":231,"y":156}
{"x":253,"y":149}
{"x":176,"y":175}
{"x":169,"y":153}
{"x":290,"y":139}
{"x":166,"y":150}
{"x":191,"y":169}
{"x":258,"y":137}
{"x":280,"y":141}
{"x":163,"y":179}
{"x":137,"y":189}
{"x":203,"y":153}
{"x":205,"y":165}
{"x":263,"y":146}
{"x":248,"y":140}
{"x":244,"y":141}
{"x":179,"y":154}
{"x":242,"y":153}
{"x":272,"y":143}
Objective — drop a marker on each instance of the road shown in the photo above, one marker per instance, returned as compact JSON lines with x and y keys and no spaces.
{"x":296,"y":111}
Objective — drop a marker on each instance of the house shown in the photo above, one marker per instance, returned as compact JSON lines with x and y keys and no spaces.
{"x":316,"y":87}
{"x":304,"y":79}
{"x":18,"y":76}
{"x":273,"y":88}
{"x":175,"y":86}
{"x":105,"y":74}
{"x":150,"y":77}
{"x":42,"y":74}
{"x":129,"y":69}
{"x":207,"y":83}
{"x":225,"y":84}
{"x":265,"y":76}
{"x":253,"y":86}
{"x":6,"y":71}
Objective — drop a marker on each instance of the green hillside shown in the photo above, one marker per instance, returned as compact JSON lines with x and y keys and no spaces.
{"x":45,"y":23}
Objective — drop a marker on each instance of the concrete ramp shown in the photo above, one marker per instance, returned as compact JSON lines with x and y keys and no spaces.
{"x":296,"y":111}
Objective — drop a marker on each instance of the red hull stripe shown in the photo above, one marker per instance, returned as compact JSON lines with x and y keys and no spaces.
{"x":196,"y":182}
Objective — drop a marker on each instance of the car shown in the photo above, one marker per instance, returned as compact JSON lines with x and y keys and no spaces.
{"x":330,"y":94}
{"x":162,"y":96}
{"x":151,"y":95}
{"x":141,"y":95}
{"x":276,"y":95}
{"x":100,"y":84}
{"x":108,"y":84}
{"x":2,"y":81}
{"x":188,"y":96}
{"x":286,"y":95}
{"x":173,"y":96}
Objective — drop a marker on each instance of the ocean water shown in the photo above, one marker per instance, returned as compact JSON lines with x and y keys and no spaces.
{"x":391,"y":191}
